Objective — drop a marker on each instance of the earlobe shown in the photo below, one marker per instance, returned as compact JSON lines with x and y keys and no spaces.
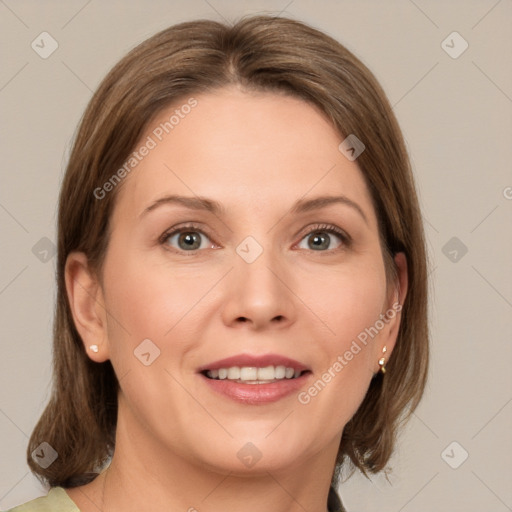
{"x":86,"y":302}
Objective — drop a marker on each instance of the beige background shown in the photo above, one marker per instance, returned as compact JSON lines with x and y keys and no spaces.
{"x":456,"y":117}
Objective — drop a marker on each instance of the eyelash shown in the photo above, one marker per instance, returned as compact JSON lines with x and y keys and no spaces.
{"x":324,"y":228}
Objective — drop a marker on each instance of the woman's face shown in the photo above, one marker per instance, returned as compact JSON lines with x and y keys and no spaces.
{"x":258,"y":275}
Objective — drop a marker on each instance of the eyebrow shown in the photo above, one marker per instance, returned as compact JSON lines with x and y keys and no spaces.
{"x":210,"y":205}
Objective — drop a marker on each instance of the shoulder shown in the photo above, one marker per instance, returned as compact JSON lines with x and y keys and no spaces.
{"x":57,"y":500}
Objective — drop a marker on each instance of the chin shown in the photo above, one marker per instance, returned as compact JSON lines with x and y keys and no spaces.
{"x":253,"y":456}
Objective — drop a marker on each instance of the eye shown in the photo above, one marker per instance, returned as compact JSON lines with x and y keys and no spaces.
{"x":186,"y":238}
{"x":191,"y":238}
{"x":322,"y":239}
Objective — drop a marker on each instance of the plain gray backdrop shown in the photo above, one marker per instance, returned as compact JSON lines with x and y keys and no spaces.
{"x":446,"y":67}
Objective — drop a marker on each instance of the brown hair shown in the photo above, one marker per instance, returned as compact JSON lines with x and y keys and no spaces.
{"x":257,"y":53}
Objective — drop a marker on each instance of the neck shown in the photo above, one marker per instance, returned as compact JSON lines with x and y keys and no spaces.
{"x":141,"y":473}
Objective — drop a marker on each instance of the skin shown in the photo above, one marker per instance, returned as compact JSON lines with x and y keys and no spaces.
{"x":177,"y":440}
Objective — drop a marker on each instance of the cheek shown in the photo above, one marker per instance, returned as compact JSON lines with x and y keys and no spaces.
{"x":348,"y":301}
{"x":350,"y":308}
{"x":150,"y":299}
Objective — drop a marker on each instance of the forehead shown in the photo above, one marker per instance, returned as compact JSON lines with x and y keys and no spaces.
{"x":263,"y":149}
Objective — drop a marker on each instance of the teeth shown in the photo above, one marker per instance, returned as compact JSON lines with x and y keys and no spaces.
{"x":233,"y":373}
{"x":279,"y":372}
{"x":252,"y":374}
{"x":266,"y":373}
{"x":248,"y":373}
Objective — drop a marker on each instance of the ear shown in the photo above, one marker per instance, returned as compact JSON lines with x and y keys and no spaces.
{"x":395,"y":301}
{"x":87,"y":306}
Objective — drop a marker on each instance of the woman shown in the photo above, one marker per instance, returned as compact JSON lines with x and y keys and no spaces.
{"x":242,"y":287}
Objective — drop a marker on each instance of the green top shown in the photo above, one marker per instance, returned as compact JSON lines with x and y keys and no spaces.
{"x":58,"y":500}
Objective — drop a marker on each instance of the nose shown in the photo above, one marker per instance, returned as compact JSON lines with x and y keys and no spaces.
{"x":259,"y":294}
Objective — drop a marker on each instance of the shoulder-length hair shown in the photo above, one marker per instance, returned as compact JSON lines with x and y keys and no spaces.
{"x":261,"y":53}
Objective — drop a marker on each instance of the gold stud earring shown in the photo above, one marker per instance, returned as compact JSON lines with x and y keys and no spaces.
{"x":94,"y":348}
{"x":382,"y":361}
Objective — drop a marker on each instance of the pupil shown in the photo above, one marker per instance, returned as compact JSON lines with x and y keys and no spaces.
{"x":190,"y":239}
{"x":320,"y":241}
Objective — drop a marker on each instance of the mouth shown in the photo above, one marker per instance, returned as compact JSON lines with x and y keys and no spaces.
{"x":254,"y":374}
{"x":255,"y":379}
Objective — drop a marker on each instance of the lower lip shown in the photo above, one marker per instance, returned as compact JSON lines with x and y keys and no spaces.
{"x":254,"y":394}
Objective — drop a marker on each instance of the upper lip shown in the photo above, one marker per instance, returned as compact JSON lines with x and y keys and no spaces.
{"x":259,"y":361}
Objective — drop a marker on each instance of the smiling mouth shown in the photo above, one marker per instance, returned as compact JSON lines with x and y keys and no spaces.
{"x":254,"y":374}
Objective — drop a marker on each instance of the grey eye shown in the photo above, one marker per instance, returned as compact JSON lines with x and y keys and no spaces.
{"x":187,"y":240}
{"x":320,"y":241}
